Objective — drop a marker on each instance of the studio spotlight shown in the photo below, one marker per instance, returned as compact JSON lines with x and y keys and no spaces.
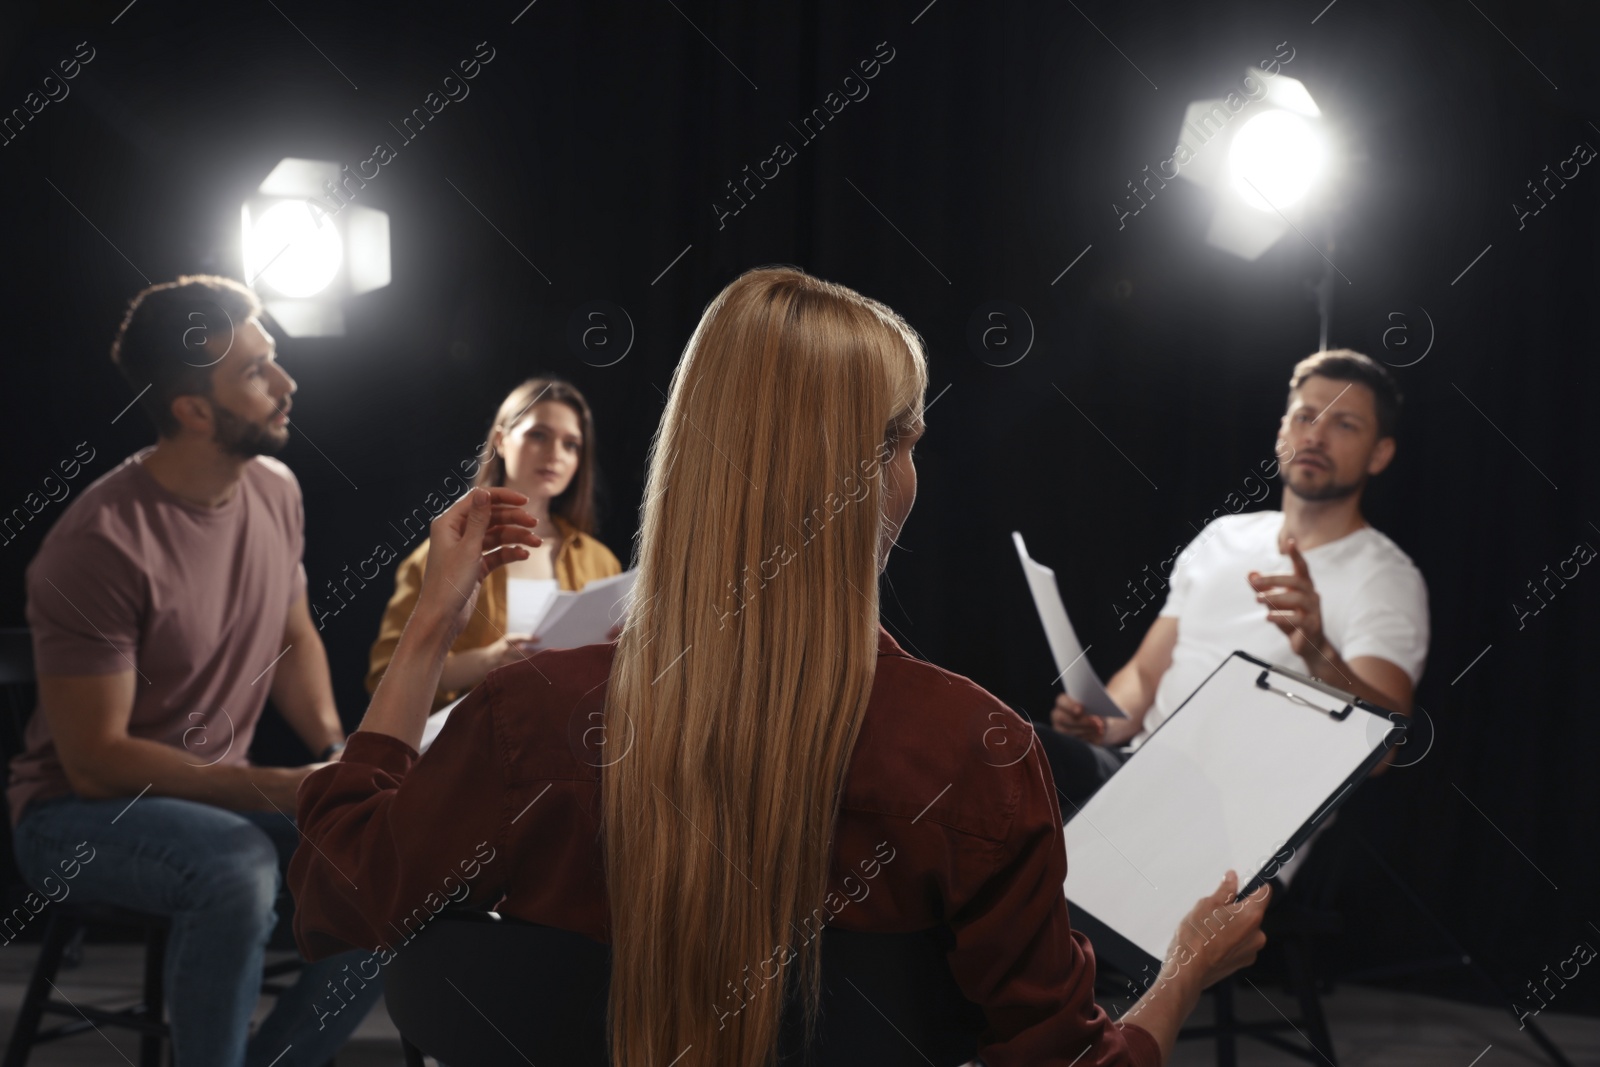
{"x":1263,"y":154}
{"x":294,"y":249}
{"x":306,"y":251}
{"x":1274,"y":160}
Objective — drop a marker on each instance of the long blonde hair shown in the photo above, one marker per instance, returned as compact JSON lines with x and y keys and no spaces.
{"x":744,"y":668}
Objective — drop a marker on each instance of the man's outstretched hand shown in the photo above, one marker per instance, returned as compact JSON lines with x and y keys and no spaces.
{"x":1293,"y":605}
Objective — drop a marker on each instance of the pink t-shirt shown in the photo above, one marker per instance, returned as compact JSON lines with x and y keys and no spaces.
{"x":134,"y":578}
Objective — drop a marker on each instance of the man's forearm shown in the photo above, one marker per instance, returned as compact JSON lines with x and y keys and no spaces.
{"x":1328,"y":666}
{"x":1129,"y":689}
{"x":302,"y":691}
{"x":130,"y":766}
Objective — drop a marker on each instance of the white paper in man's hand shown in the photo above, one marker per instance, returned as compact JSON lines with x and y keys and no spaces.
{"x":1077,"y":674}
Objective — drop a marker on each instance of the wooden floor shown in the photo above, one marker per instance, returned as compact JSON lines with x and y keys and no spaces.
{"x":1371,"y":1027}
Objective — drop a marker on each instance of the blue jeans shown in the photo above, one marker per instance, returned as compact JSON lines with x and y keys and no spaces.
{"x":216,"y":874}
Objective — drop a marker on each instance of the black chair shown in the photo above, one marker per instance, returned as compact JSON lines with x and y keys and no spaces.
{"x":474,"y":989}
{"x":65,"y":927}
{"x":1293,"y":925}
{"x":1456,"y":956}
{"x":68,"y":921}
{"x":1297,"y":920}
{"x":1303,"y":918}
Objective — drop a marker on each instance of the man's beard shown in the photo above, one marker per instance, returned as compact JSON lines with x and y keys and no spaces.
{"x":240,"y":437}
{"x":1331,"y":490}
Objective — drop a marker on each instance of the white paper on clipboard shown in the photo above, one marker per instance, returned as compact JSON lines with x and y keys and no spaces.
{"x":1077,"y":673}
{"x":1251,"y":759}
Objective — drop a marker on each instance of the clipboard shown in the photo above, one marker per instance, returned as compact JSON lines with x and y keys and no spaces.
{"x":1239,"y":776}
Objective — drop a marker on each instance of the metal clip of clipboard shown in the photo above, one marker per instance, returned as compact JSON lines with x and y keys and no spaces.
{"x":1338,"y":715}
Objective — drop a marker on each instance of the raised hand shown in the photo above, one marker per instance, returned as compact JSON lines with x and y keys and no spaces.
{"x":1293,"y":605}
{"x":483,"y":530}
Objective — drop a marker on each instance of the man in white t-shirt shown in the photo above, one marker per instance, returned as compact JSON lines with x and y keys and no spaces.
{"x":1312,"y":588}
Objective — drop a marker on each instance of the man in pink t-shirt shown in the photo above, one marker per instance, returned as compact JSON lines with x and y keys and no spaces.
{"x":167,"y":604}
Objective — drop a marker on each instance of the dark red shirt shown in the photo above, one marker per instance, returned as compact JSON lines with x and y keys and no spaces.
{"x":949,"y":818}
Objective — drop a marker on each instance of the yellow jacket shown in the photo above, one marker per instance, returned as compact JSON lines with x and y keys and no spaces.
{"x":581,"y":559}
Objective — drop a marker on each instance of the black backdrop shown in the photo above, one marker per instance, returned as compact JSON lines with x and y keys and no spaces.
{"x":986,"y":157}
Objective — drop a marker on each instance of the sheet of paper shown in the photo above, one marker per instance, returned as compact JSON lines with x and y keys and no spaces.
{"x":569,"y":620}
{"x":527,"y":602}
{"x":587,"y":616}
{"x":435,"y":723}
{"x":1077,"y":674}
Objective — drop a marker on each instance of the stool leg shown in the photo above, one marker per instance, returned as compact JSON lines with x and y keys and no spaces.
{"x":1305,"y":987}
{"x":57,"y":932}
{"x":72,"y":955}
{"x":155,"y":962}
{"x":1227,"y":1052}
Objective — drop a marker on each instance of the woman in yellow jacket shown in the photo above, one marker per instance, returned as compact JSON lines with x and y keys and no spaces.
{"x":542,"y":445}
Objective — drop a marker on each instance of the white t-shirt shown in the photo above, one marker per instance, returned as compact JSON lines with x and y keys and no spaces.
{"x":1374,"y":603}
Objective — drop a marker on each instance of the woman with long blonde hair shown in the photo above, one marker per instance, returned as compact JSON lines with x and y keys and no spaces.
{"x":755,"y":757}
